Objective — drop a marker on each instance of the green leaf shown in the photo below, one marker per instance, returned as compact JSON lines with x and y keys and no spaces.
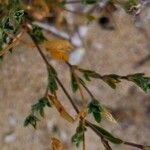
{"x":112,"y":80}
{"x":95,"y":108}
{"x":31,"y":120}
{"x":52,"y":80}
{"x":77,"y":138}
{"x":18,"y":15}
{"x":89,"y":2}
{"x":107,"y":135}
{"x":39,"y":107}
{"x":8,"y":25}
{"x":74,"y":83}
{"x":128,"y":4}
{"x":140,"y":80}
{"x":88,"y":74}
{"x":37,"y":34}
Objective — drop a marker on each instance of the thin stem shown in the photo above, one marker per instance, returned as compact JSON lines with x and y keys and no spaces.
{"x":134,"y":145}
{"x":106,"y":144}
{"x":57,"y":79}
{"x":88,"y":91}
{"x":67,"y":94}
{"x":85,"y":87}
{"x":87,"y":123}
{"x":84,"y":141}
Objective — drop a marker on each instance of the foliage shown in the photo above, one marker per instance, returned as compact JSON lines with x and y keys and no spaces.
{"x":31,"y":120}
{"x":108,"y":136}
{"x":140,"y":80}
{"x":95,"y":109}
{"x":39,"y":107}
{"x":52,"y":84}
{"x":37,"y":34}
{"x":77,"y":138}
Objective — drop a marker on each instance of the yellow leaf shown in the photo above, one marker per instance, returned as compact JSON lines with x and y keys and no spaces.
{"x":60,"y":108}
{"x":82,"y":114}
{"x":56,"y":144}
{"x":108,"y":115}
{"x":59,"y":49}
{"x":39,"y":9}
{"x":60,"y":55}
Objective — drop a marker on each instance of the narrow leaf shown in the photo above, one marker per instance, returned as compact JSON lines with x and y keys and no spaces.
{"x":107,"y":135}
{"x":52,"y":80}
{"x":95,"y":108}
{"x":74,"y":83}
{"x":60,"y":108}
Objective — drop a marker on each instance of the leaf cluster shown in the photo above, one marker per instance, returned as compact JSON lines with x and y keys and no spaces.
{"x":37,"y":108}
{"x":140,"y":80}
{"x":40,"y":105}
{"x":37,"y":34}
{"x":77,"y":138}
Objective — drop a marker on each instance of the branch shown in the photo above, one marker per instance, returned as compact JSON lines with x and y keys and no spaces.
{"x":57,"y":79}
{"x":87,"y":123}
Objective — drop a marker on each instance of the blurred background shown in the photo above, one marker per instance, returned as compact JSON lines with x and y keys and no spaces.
{"x":118,"y":45}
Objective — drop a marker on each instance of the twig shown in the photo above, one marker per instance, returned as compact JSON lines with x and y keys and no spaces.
{"x":85,"y":87}
{"x":134,"y":145}
{"x":57,"y":79}
{"x":87,"y":123}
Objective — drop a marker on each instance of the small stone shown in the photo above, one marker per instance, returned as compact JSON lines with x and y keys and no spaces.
{"x":9,"y":138}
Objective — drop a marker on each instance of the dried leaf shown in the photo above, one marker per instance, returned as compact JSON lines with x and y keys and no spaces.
{"x":60,"y":108}
{"x":59,"y":49}
{"x":82,"y":114}
{"x":39,"y":9}
{"x":108,"y":115}
{"x":56,"y":144}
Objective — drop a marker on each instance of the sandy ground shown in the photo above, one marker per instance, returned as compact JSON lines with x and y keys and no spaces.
{"x":23,"y":81}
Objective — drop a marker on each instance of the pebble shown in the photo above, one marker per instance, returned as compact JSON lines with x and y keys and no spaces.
{"x":10,"y":138}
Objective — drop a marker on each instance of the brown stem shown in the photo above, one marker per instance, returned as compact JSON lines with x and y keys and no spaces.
{"x":67,"y":94}
{"x":87,"y":123}
{"x":134,"y":145}
{"x":106,"y":144}
{"x":85,"y":87}
{"x":57,"y":79}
